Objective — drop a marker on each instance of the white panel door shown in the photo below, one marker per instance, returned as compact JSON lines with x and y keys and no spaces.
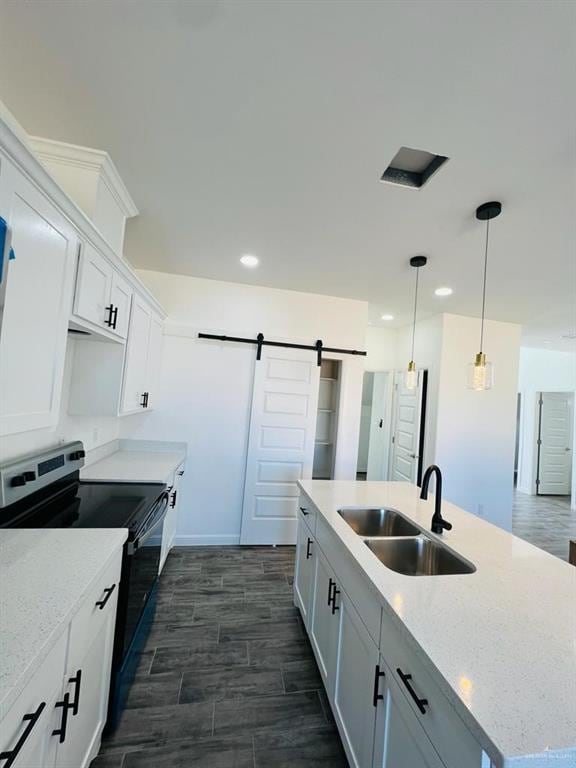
{"x":37,"y":305}
{"x":93,"y":286}
{"x":405,"y":430}
{"x":280,"y":445}
{"x":556,"y":425}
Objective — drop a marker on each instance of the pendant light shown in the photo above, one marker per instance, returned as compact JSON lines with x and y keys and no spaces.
{"x":411,"y":374}
{"x":480,"y":372}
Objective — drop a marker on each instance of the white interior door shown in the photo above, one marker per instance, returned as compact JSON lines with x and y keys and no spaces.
{"x":280,"y":445}
{"x":406,"y":410}
{"x":556,"y":424}
{"x":377,"y":466}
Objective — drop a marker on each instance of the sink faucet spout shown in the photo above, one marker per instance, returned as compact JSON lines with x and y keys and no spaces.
{"x":438,"y":522}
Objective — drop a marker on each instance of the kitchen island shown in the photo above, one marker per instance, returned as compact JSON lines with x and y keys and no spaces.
{"x":462,"y":670}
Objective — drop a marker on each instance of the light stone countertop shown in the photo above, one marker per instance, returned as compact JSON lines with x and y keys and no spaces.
{"x":501,"y":642}
{"x":44,"y":577}
{"x":134,"y":461}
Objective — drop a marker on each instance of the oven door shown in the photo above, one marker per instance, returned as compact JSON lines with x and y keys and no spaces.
{"x":142,"y":571}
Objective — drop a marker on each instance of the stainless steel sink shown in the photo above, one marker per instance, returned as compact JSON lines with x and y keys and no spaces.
{"x":418,"y":557}
{"x":378,"y":522}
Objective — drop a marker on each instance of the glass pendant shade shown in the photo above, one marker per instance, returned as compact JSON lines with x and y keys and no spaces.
{"x":411,"y":376}
{"x":480,"y":375}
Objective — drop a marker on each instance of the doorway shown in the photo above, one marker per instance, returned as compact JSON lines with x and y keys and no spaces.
{"x":392,"y":428}
{"x":554,"y":443}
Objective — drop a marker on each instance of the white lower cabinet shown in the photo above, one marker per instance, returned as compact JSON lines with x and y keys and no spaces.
{"x":57,"y":720}
{"x":354,"y":710}
{"x":304,"y":572}
{"x":399,"y":740}
{"x":389,"y":711}
{"x":323,"y":628}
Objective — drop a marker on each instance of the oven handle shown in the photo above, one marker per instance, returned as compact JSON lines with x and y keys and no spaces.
{"x":153,"y":522}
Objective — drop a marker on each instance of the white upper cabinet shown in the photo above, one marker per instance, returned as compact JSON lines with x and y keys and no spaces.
{"x":153,"y":360}
{"x":142,"y":364}
{"x":102,"y":297}
{"x":37,"y":304}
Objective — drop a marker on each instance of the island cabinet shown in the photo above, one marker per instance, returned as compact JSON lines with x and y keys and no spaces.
{"x":58,"y":718}
{"x":388,"y":709}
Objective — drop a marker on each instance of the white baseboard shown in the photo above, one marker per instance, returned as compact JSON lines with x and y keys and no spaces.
{"x":522,"y":489}
{"x":207,"y":540}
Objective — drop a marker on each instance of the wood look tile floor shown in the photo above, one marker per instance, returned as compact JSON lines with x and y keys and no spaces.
{"x":545,"y":521}
{"x":228,"y":678}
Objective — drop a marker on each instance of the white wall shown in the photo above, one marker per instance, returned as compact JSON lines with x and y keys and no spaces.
{"x":206,"y":387}
{"x":475,"y":431}
{"x":541,"y":370}
{"x":93,"y":431}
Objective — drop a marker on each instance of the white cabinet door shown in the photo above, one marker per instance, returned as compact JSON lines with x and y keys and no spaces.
{"x":93,"y":286}
{"x":37,"y":304}
{"x":325,"y":622}
{"x":399,"y":740}
{"x":120,"y":300}
{"x":171,"y":519}
{"x":304,"y":571}
{"x":134,"y":385}
{"x":153,"y":361}
{"x":280,"y":444}
{"x":354,"y":686}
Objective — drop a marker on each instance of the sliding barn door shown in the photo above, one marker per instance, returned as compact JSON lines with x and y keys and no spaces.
{"x":280,"y":445}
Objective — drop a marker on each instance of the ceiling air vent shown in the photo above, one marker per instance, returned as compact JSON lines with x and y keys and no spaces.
{"x":412,"y":167}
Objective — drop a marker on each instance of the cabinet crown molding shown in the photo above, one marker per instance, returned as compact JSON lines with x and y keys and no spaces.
{"x":88,"y":159}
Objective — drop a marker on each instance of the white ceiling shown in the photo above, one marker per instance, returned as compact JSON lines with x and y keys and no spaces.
{"x":263,"y":127}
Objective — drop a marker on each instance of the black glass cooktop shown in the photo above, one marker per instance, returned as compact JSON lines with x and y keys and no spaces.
{"x":84,"y":505}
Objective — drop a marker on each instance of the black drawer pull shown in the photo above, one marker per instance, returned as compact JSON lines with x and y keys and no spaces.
{"x":420,"y":703}
{"x":304,"y":511}
{"x":31,"y":720}
{"x":376,"y":697}
{"x":77,"y":680}
{"x":308,"y":553}
{"x":173,"y":499}
{"x":107,"y":593}
{"x":61,"y":732}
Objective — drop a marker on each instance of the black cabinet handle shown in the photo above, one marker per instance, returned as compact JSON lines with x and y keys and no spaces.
{"x":173,"y":500}
{"x":61,"y":732}
{"x":107,"y":593}
{"x":420,"y":703}
{"x":110,"y":310}
{"x":114,"y":318}
{"x":31,"y":719}
{"x":77,"y":680}
{"x":308,"y":553}
{"x":180,"y":473}
{"x":304,"y":511}
{"x":376,"y":697}
{"x":331,"y":583}
{"x":144,"y":402}
{"x":334,"y":606}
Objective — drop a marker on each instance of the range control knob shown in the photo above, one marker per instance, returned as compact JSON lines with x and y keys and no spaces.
{"x":76,"y":455}
{"x":17,"y":481}
{"x":29,"y":476}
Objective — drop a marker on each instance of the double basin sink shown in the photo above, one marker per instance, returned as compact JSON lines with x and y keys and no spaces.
{"x":403,"y":546}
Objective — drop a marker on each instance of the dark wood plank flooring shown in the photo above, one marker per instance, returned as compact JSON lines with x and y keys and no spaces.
{"x":228,"y":678}
{"x":545,"y":521}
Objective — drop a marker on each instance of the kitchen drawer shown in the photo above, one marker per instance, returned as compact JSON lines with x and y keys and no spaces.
{"x":451,"y":738}
{"x":100,"y":600}
{"x":349,"y":577}
{"x":42,"y":689}
{"x":307,"y":512}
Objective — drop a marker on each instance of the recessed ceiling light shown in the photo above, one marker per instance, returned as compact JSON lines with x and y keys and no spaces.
{"x":249,"y":261}
{"x":387,"y":317}
{"x":445,"y":291}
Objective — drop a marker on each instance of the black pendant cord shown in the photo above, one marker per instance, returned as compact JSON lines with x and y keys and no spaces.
{"x":415,"y":307}
{"x":484,"y":286}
